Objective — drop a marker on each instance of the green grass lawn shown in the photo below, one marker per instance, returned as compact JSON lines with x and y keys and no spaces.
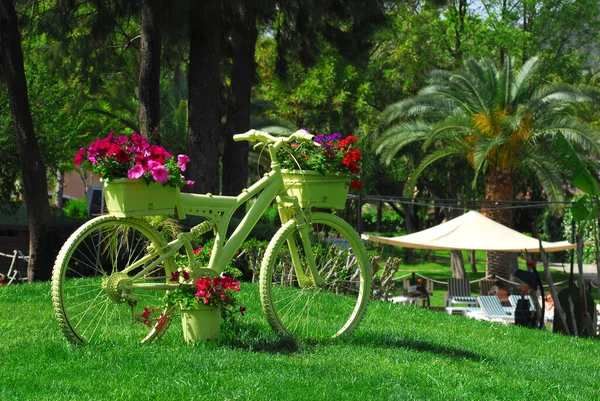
{"x":398,"y":353}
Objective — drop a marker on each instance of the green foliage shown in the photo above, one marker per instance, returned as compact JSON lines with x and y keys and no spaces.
{"x":496,"y":119}
{"x":391,"y":222}
{"x":76,"y":208}
{"x":332,"y":96}
{"x":589,"y":232}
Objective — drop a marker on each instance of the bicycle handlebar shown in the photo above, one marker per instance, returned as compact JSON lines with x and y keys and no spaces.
{"x":277,"y":141}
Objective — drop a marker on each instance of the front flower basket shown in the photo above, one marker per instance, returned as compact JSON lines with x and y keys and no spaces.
{"x":314,"y":189}
{"x":201,"y":323}
{"x":126,"y":198}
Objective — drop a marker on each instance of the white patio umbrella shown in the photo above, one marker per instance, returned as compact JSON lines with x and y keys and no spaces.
{"x":471,"y":231}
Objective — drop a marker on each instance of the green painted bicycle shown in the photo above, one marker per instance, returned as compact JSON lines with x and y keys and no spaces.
{"x":315,"y":279}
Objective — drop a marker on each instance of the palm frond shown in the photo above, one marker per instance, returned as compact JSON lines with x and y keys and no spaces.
{"x":574,"y":130}
{"x":483,"y":150}
{"x":445,"y":152}
{"x":273,"y":125}
{"x":453,"y":129}
{"x":523,"y":78}
{"x":471,"y":93}
{"x":392,"y":140}
{"x":546,"y":169}
{"x":505,"y":80}
{"x":563,"y":94}
{"x":420,"y":106}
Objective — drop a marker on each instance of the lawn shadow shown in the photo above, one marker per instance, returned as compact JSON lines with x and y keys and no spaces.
{"x":379,"y":340}
{"x":253,"y":338}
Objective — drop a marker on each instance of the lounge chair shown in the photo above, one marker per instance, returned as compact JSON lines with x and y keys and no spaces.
{"x":459,"y":293}
{"x":485,"y":286}
{"x":492,"y":309}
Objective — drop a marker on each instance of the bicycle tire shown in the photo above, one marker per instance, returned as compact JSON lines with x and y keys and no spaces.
{"x":88,"y":303}
{"x":331,"y":310}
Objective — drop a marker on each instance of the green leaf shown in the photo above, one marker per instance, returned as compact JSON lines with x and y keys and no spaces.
{"x":580,"y":210}
{"x":580,"y":176}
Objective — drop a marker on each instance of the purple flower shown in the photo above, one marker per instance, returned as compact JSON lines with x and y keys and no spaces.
{"x":136,"y":172}
{"x":320,"y":139}
{"x":334,"y":137}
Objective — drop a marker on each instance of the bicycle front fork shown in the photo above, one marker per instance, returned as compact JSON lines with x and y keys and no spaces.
{"x":306,"y":273}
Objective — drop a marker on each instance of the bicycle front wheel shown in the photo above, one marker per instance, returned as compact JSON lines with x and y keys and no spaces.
{"x":297,"y":307}
{"x":94,"y":277}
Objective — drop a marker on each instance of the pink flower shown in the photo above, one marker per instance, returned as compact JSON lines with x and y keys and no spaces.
{"x":79,"y":157}
{"x":121,"y":140}
{"x":158,"y":171}
{"x":190,"y":183}
{"x":139,"y":141}
{"x":157,"y":153}
{"x":136,"y":172}
{"x":182,"y":160}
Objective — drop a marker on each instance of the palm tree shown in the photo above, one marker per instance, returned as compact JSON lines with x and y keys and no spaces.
{"x":501,"y":121}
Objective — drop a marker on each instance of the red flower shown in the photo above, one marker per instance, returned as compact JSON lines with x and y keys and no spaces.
{"x":356,"y":185}
{"x":530,"y":263}
{"x":174,"y":277}
{"x":242,"y":310}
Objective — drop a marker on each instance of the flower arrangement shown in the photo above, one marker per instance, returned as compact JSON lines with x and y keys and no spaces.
{"x":328,"y":154}
{"x":216,"y":292}
{"x":133,"y":157}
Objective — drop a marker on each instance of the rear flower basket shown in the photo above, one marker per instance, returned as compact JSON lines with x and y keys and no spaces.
{"x":126,"y":198}
{"x":139,"y":179}
{"x":314,"y":189}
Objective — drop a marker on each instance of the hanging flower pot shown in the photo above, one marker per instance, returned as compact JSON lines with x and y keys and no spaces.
{"x":314,"y":189}
{"x":201,"y":323}
{"x":125,"y":197}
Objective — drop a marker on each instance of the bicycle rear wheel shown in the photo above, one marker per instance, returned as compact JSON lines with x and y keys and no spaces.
{"x":91,"y":288}
{"x":305,"y":310}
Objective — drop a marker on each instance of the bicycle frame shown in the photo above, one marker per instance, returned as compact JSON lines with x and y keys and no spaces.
{"x":219,"y":210}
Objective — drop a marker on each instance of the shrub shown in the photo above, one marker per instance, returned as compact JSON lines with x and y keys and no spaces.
{"x":76,"y":209}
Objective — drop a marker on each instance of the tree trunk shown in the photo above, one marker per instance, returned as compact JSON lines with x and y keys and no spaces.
{"x":473,"y":262}
{"x":379,"y":216}
{"x":243,"y":42}
{"x":458,"y":264}
{"x":59,"y":191}
{"x":149,"y":79}
{"x":204,"y":88}
{"x":499,"y":187}
{"x":35,"y":185}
